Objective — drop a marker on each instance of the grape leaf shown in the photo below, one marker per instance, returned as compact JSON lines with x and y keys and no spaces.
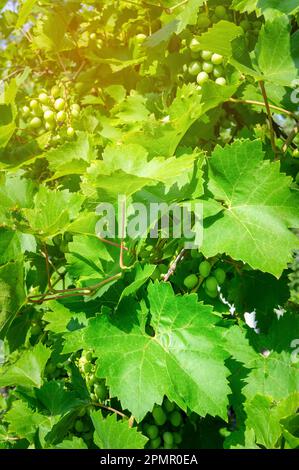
{"x":111,"y":433}
{"x":25,"y":11}
{"x":141,"y":276}
{"x":60,"y":319}
{"x":218,"y":38}
{"x":27,"y":371}
{"x":249,"y":214}
{"x":184,"y":359}
{"x":269,"y":8}
{"x":24,"y":422}
{"x":74,"y":443}
{"x":56,"y":399}
{"x":12,"y":293}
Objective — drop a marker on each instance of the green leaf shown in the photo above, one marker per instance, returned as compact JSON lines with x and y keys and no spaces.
{"x":141,"y":276}
{"x":273,"y":52}
{"x":25,"y":10}
{"x":27,"y":371}
{"x":74,"y":443}
{"x":111,"y":433}
{"x":12,"y":294}
{"x":184,"y":358}
{"x":60,"y":319}
{"x":24,"y":422}
{"x":269,"y":8}
{"x":251,"y":215}
{"x":218,"y":38}
{"x":56,"y":399}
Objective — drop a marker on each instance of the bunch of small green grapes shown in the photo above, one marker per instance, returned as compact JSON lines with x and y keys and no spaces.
{"x":51,"y":112}
{"x":206,"y":19}
{"x":204,"y":65}
{"x":251,"y":28}
{"x":83,"y":426}
{"x":164,"y":426}
{"x":210,"y":278}
{"x":97,"y":387}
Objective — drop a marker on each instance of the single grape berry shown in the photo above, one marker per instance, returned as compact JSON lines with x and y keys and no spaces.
{"x":168,"y":438}
{"x":55,"y":91}
{"x":203,"y":21}
{"x":25,"y":111}
{"x":218,"y":71}
{"x":190,"y":281}
{"x":49,"y":115}
{"x":93,"y":36}
{"x":175,"y":418}
{"x":87,"y":367}
{"x":61,"y":116}
{"x":155,"y":443}
{"x":88,"y":355}
{"x":70,"y":132}
{"x":36,"y":329}
{"x":202,"y":77}
{"x":35,"y":123}
{"x":204,"y":268}
{"x":168,"y":405}
{"x":75,"y":110}
{"x":43,"y":98}
{"x":217,"y":59}
{"x":211,"y":293}
{"x":207,"y":67}
{"x":194,"y":45}
{"x":159,"y":415}
{"x":59,"y":104}
{"x":206,"y":55}
{"x":211,"y":283}
{"x":220,"y":276}
{"x":79,"y":426}
{"x":101,"y":391}
{"x":50,"y":125}
{"x":194,"y":68}
{"x":152,"y":431}
{"x":220,"y":81}
{"x":220,"y":11}
{"x":295,"y":153}
{"x":33,"y":104}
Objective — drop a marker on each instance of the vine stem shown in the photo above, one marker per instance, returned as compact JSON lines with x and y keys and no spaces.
{"x":109,"y":408}
{"x":272,"y":134}
{"x":290,"y":138}
{"x":261,"y":103}
{"x":173,"y":265}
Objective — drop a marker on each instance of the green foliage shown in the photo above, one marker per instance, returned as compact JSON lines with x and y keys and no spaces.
{"x":142,"y":342}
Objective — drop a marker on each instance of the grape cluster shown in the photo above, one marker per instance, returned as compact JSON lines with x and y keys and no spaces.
{"x":209,"y":277}
{"x":83,"y":425}
{"x":204,"y":65}
{"x":97,"y":387}
{"x":164,"y":426}
{"x":51,"y":112}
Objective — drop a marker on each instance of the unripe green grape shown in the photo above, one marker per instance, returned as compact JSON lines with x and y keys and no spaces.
{"x":88,"y":355}
{"x":177,"y":437}
{"x":203,"y":21}
{"x":55,"y":91}
{"x":36,"y":329}
{"x":155,"y":443}
{"x":194,"y":45}
{"x":152,"y":431}
{"x":93,"y":36}
{"x":190,"y":281}
{"x":87,"y":367}
{"x":101,"y":391}
{"x":220,"y":276}
{"x":79,"y":426}
{"x":168,"y":405}
{"x":75,"y":110}
{"x":220,"y":11}
{"x":206,"y":55}
{"x":211,"y":293}
{"x":35,"y":123}
{"x":25,"y":111}
{"x":295,"y":153}
{"x":70,"y":132}
{"x":202,"y":77}
{"x":220,"y":81}
{"x":82,"y":412}
{"x":49,"y":115}
{"x":207,"y":67}
{"x":168,"y":438}
{"x":175,"y":418}
{"x":33,"y":104}
{"x":217,"y":59}
{"x":218,"y":71}
{"x":205,"y":268}
{"x":50,"y":126}
{"x":159,"y":415}
{"x":43,"y":98}
{"x":61,"y":116}
{"x":194,"y":68}
{"x":211,"y":283}
{"x":59,"y":104}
